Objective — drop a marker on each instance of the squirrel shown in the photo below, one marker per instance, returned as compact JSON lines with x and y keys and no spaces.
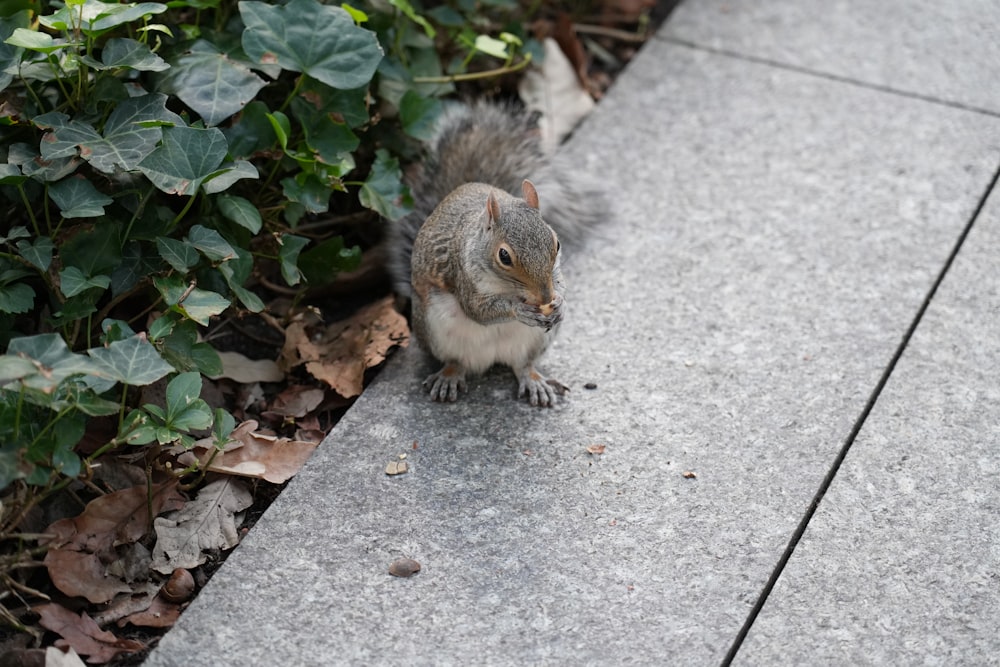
{"x":479,"y":255}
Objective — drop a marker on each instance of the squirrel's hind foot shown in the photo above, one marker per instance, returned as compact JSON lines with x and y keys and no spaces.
{"x":539,"y":390}
{"x":446,"y":384}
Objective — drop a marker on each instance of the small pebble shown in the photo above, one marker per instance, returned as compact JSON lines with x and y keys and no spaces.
{"x":395,"y":468}
{"x":404,"y":567}
{"x":590,"y":385}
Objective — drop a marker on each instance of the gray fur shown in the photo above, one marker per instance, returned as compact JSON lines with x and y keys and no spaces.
{"x":495,"y":144}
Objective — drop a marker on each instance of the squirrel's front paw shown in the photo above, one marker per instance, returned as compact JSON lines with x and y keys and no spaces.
{"x":539,"y":391}
{"x":545,"y":316}
{"x":446,"y":383}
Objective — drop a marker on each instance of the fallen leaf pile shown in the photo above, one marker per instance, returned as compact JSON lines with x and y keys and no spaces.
{"x":339,"y":355}
{"x":133,"y":557}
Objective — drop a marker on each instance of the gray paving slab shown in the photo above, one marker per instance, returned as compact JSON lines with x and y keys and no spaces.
{"x":901,"y":563}
{"x":773,"y":235}
{"x":948,"y":50}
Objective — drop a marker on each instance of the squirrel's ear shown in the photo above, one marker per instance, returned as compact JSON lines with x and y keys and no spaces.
{"x":530,"y":194}
{"x":492,"y":207}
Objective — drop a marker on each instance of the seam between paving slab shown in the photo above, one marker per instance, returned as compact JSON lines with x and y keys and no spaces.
{"x":858,"y":424}
{"x":826,"y":75}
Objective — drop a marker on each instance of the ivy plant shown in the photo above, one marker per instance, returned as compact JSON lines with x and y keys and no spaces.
{"x":162,"y":163}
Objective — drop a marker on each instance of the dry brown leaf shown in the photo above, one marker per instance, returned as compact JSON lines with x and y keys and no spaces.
{"x":296,"y":401}
{"x":83,"y":635}
{"x":159,"y":614}
{"x":342,"y":353}
{"x":206,"y":523}
{"x":240,"y":368}
{"x":83,"y":547}
{"x":569,"y":43}
{"x":252,"y":454}
{"x":134,"y":602}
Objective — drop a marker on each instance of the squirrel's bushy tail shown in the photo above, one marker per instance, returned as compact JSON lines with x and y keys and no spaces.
{"x":491,"y":143}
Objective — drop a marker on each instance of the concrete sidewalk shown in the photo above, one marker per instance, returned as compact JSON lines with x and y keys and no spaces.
{"x":773,"y":307}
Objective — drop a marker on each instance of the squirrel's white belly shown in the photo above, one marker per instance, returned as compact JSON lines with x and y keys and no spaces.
{"x":455,"y":337}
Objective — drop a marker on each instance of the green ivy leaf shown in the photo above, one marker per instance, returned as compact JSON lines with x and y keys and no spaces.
{"x":9,"y":173}
{"x":356,"y":14}
{"x":322,"y":263}
{"x":162,"y":326}
{"x":282,"y":128}
{"x":251,"y":131}
{"x":33,"y":165}
{"x":123,"y":52}
{"x":234,"y":278}
{"x":206,"y":359}
{"x":198,"y":304}
{"x":128,"y":137}
{"x":288,"y":254}
{"x":183,"y":392}
{"x":175,"y":345}
{"x":329,"y":139}
{"x":77,"y":197}
{"x":222,"y":427}
{"x":184,"y":159}
{"x":318,"y":40}
{"x":240,"y":211}
{"x":73,"y":281}
{"x":308,"y":190}
{"x":383,"y":190}
{"x":210,"y":243}
{"x":97,"y":16}
{"x":347,"y":106}
{"x":18,"y":232}
{"x":10,"y":54}
{"x":37,"y":252}
{"x":209,"y":82}
{"x":177,"y":254}
{"x":407,"y":9}
{"x":15,"y":368}
{"x":132,"y":268}
{"x":230,"y":172}
{"x":94,"y":249}
{"x":50,"y":352}
{"x":33,"y":40}
{"x":16,"y":298}
{"x":132,"y":361}
{"x":419,"y":115}
{"x":93,"y":405}
{"x":491,"y":46}
{"x":115,"y":330}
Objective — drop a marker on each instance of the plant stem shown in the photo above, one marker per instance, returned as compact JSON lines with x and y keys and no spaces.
{"x":295,"y":91}
{"x":139,"y":210}
{"x":187,"y":207}
{"x":27,"y":207}
{"x":471,"y":76}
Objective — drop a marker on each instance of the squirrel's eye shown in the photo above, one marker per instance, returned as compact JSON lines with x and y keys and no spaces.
{"x":504,"y":257}
{"x":558,"y":247}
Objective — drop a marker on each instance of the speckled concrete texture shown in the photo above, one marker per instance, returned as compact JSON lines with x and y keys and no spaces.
{"x":944,"y":50}
{"x":773,"y":235}
{"x":901,"y":563}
